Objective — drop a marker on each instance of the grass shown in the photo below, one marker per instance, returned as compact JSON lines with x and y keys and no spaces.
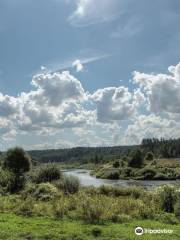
{"x":14,"y":227}
{"x":169,"y":162}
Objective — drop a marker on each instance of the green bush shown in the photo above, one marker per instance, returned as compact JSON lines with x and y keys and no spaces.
{"x":160,"y":176}
{"x":127,"y":172}
{"x":45,"y":192}
{"x":134,"y":192}
{"x":69,"y":184}
{"x":149,"y":156}
{"x":25,"y":208}
{"x":60,"y":208}
{"x":11,"y":183}
{"x":47,"y":173}
{"x":121,"y":218}
{"x":167,"y":218}
{"x":93,"y":210}
{"x":116,"y":164}
{"x":136,"y":159}
{"x":111,"y":174}
{"x":147,"y":173}
{"x":177,"y":208}
{"x":168,"y":198}
{"x":17,"y":161}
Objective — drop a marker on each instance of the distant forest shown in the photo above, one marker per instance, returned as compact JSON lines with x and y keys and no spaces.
{"x":160,"y":148}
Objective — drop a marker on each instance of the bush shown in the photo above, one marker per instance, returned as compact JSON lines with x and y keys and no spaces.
{"x":45,"y":192}
{"x":116,"y":164}
{"x":168,"y":198}
{"x":121,"y":218}
{"x":93,"y":210}
{"x":167,"y":218}
{"x":17,"y":161}
{"x":160,"y":176}
{"x":25,"y":208}
{"x":111,"y":174}
{"x":147,"y":173}
{"x":134,"y":192}
{"x":69,"y":184}
{"x":47,"y":173}
{"x":177,"y":208}
{"x":149,"y":156}
{"x":137,"y":159}
{"x":60,"y":209}
{"x":127,"y":172}
{"x":11,"y":183}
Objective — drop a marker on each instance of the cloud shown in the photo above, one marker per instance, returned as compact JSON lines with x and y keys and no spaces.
{"x":151,"y":126}
{"x":89,"y":12}
{"x":111,"y":115}
{"x":116,"y":103}
{"x":8,"y":105}
{"x":54,"y":88}
{"x":162,"y":90}
{"x":78,"y":65}
{"x":68,"y":64}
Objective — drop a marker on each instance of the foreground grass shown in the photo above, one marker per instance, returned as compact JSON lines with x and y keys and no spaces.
{"x":14,"y":227}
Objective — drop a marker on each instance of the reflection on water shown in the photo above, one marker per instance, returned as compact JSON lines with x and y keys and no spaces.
{"x":87,"y":180}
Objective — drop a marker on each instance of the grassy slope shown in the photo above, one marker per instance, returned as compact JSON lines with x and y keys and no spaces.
{"x":14,"y":227}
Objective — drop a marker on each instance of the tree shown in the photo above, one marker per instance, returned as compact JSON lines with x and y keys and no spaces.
{"x":17,"y":161}
{"x":116,"y":164}
{"x":137,"y":159}
{"x":149,"y":156}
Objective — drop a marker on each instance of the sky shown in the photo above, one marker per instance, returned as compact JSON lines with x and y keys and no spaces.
{"x":88,"y":73}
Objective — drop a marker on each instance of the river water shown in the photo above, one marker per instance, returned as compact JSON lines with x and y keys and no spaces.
{"x":87,"y":180}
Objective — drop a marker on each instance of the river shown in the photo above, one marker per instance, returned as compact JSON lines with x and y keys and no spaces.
{"x":87,"y":180}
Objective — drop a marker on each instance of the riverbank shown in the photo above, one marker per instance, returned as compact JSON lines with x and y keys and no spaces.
{"x":161,"y":169}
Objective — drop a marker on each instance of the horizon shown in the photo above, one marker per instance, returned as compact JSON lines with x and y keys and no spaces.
{"x":74,"y":76}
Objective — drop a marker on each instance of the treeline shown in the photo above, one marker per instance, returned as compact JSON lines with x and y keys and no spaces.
{"x":82,"y":154}
{"x":162,"y":148}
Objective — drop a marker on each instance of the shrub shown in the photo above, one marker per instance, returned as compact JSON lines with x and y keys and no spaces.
{"x":116,"y":164}
{"x":11,"y":183}
{"x":25,"y":208}
{"x":134,"y":192}
{"x":177,"y":208}
{"x":167,"y":218}
{"x":17,"y":161}
{"x":96,"y":231}
{"x":69,"y":184}
{"x":147,"y":173}
{"x":121,"y":218}
{"x":137,"y":159}
{"x":111,"y":174}
{"x":149,"y":156}
{"x":93,"y":209}
{"x":160,"y":176}
{"x":146,"y":212}
{"x":47,"y":173}
{"x":45,"y":192}
{"x":168,"y":198}
{"x":127,"y":172}
{"x":60,"y":208}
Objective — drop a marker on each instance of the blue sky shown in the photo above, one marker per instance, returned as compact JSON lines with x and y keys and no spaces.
{"x":100,"y":44}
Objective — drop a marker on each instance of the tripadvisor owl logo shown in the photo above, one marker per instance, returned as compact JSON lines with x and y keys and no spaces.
{"x":139,"y":231}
